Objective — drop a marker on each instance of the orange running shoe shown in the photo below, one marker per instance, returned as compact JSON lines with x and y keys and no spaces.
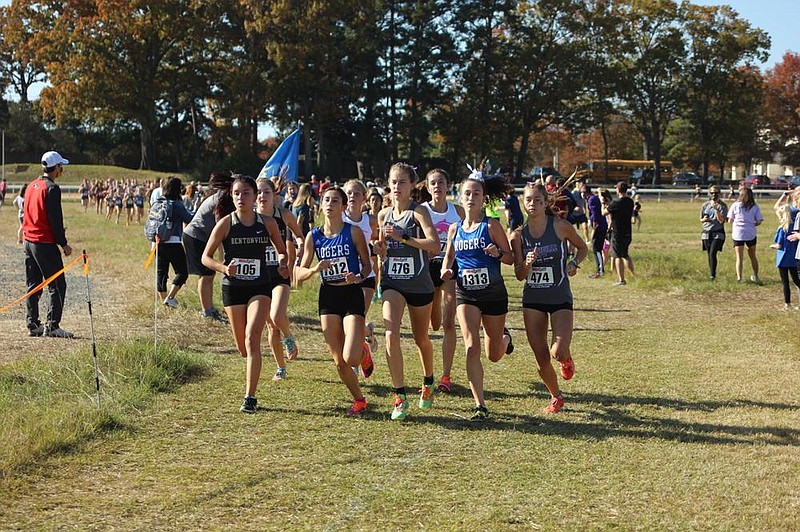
{"x":358,"y":409}
{"x":367,"y":365}
{"x":444,"y":384}
{"x":567,"y":369}
{"x":555,"y":406}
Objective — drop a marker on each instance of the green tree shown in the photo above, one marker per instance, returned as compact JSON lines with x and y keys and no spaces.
{"x":722,"y":101}
{"x":653,"y":55}
{"x":19,"y":67}
{"x":122,"y":60}
{"x":782,"y":107}
{"x":601,"y":68}
{"x":542,"y":73}
{"x":425,"y":57}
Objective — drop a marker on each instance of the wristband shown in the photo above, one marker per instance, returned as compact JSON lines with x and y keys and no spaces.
{"x":573,"y":263}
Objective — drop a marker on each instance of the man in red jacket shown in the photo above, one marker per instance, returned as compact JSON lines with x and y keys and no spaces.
{"x":43,"y":227}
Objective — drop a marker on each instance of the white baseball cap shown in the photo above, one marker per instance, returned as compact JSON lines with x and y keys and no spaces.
{"x":53,"y":158}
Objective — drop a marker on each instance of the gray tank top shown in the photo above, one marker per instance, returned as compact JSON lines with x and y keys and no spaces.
{"x":405,"y":268}
{"x":547,"y":282}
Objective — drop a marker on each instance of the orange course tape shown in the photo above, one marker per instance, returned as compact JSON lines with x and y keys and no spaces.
{"x":49,"y":280}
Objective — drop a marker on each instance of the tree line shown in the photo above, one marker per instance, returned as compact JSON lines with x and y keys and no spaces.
{"x":185,"y":84}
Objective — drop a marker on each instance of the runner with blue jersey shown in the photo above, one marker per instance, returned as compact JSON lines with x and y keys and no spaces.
{"x":343,"y":262}
{"x":478,"y":245}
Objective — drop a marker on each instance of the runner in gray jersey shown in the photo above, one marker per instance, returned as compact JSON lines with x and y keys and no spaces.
{"x":540,"y":260}
{"x":407,"y":237}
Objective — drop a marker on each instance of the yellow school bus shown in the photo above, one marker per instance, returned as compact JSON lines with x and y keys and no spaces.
{"x":640,"y":172}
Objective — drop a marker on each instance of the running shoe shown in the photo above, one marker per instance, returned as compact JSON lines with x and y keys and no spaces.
{"x":373,"y":342}
{"x":290,"y":349}
{"x":171,"y":302}
{"x":36,"y":331}
{"x":510,"y":346}
{"x":555,"y":406}
{"x":249,"y":405}
{"x":426,"y":397}
{"x":620,"y":283}
{"x":595,"y":275}
{"x":444,"y":384}
{"x":755,"y":279}
{"x":215,"y":315}
{"x":367,"y":365}
{"x":400,"y":405}
{"x":280,"y":374}
{"x":567,"y":369}
{"x":479,"y":413}
{"x":58,"y":332}
{"x":358,"y":409}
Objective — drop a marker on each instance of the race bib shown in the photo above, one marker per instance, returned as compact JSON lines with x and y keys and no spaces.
{"x":474,"y":278}
{"x":247,"y":269}
{"x":271,"y":256}
{"x":541,"y":277}
{"x":336,"y":271}
{"x":400,"y":267}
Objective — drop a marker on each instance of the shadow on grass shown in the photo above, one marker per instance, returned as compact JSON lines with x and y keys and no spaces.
{"x":596,"y":417}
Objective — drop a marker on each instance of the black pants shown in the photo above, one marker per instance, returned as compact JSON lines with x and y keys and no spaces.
{"x":787,"y":289}
{"x":175,"y":256}
{"x":42,"y":261}
{"x":714,"y":246}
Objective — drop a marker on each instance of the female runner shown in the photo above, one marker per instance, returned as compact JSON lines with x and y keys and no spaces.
{"x":354,"y":215}
{"x":286,"y":348}
{"x":343,"y":262}
{"x":246,"y":285}
{"x":540,"y":259}
{"x":407,"y":237}
{"x":443,"y":313}
{"x":478,"y":245}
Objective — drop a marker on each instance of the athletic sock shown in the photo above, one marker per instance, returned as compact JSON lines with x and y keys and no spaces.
{"x":428,"y":381}
{"x":399,"y":391}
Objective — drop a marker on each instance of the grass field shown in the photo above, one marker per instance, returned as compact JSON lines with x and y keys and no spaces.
{"x":75,"y":173}
{"x":684,"y":412}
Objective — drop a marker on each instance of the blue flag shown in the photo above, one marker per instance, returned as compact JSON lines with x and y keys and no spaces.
{"x":284,"y":161}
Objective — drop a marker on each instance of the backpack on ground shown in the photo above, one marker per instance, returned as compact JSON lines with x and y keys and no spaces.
{"x":159,"y":220}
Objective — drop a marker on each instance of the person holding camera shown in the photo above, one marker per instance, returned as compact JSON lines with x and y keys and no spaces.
{"x":713,"y":215}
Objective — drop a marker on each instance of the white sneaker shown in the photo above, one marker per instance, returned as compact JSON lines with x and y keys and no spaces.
{"x":373,"y":342}
{"x":171,"y":302}
{"x":57,"y":333}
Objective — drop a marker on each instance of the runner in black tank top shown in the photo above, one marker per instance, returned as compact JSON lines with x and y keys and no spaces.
{"x":281,"y":340}
{"x":407,"y":258}
{"x":539,"y":260}
{"x":248,"y":286}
